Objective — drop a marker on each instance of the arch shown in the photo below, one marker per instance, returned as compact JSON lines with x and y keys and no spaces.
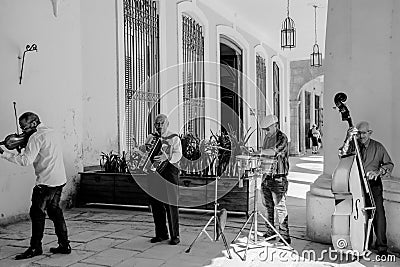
{"x":304,"y":119}
{"x":282,"y":85}
{"x":235,"y":37}
{"x":305,"y":85}
{"x":190,"y":9}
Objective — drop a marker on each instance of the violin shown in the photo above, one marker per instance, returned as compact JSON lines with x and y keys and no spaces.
{"x":354,"y":203}
{"x":17,"y":141}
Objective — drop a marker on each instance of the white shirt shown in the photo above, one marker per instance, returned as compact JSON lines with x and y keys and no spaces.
{"x":174,"y":147}
{"x":44,"y":151}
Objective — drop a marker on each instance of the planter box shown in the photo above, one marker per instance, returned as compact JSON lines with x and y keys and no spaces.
{"x":194,"y":192}
{"x":110,"y":188}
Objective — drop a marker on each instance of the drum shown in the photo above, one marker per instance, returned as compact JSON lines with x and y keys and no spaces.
{"x":246,"y":166}
{"x":268,"y":165}
{"x":246,"y":163}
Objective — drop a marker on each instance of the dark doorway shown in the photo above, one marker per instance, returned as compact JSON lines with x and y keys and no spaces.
{"x":307,"y":121}
{"x":231,"y":86}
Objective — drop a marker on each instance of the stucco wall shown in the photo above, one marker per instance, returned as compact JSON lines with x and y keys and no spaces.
{"x":362,"y":60}
{"x":51,"y":87}
{"x":99,"y":78}
{"x":71,"y":82}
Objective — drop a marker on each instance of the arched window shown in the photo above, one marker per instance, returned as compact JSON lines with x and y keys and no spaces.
{"x":276,"y":90}
{"x":231,"y":86}
{"x":193,"y":77}
{"x":261,"y":71}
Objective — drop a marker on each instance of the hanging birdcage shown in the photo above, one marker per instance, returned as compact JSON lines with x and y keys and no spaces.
{"x":288,"y":32}
{"x":316,"y":56}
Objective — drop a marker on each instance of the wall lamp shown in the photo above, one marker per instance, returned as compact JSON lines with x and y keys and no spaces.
{"x":29,"y":48}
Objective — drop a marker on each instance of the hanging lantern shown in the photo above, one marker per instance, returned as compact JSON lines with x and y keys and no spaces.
{"x":316,"y":56}
{"x":288,"y":32}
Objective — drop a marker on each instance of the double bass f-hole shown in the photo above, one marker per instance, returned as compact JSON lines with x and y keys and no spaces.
{"x":357,"y":203}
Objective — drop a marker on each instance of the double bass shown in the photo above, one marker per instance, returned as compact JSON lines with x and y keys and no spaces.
{"x":354,"y":203}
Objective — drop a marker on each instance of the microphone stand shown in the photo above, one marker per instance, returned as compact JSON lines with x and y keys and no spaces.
{"x":217,"y":224}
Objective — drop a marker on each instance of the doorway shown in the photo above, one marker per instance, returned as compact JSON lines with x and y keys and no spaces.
{"x":231,"y":86}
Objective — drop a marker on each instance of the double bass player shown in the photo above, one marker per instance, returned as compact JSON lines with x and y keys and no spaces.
{"x":377,"y":164}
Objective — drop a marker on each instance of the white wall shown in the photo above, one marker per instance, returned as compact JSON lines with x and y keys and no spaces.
{"x":71,"y":82}
{"x":51,"y":87}
{"x":100,"y":74}
{"x":363,"y":68}
{"x":362,"y":60}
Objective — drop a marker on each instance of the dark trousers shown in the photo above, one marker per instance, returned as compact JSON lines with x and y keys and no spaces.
{"x":47,"y":198}
{"x":274,"y":191}
{"x":379,"y":222}
{"x":163,"y":199}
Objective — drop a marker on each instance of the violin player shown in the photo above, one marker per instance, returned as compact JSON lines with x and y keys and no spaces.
{"x":44,"y":151}
{"x":377,"y":164}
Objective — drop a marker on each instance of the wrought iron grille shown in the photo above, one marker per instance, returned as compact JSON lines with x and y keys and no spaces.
{"x":276,"y":92}
{"x":261,"y":94}
{"x":142,"y":89}
{"x":193,"y":77}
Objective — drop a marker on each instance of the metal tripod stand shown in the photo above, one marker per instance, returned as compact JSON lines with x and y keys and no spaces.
{"x":253,"y":233}
{"x":217,"y":224}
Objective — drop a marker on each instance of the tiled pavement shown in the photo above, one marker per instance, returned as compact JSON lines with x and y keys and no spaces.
{"x":120,"y":237}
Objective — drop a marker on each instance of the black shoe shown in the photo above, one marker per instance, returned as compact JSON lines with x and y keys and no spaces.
{"x":174,"y":241}
{"x":29,"y":253}
{"x":158,"y":239}
{"x":288,"y":240}
{"x":66,"y":249}
{"x":382,"y":253}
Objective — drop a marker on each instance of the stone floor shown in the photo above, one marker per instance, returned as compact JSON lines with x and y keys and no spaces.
{"x":109,"y":236}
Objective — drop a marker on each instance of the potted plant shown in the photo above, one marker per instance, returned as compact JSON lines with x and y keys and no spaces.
{"x":190,"y":154}
{"x":113,"y":162}
{"x":230,"y":145}
{"x":114,"y":183}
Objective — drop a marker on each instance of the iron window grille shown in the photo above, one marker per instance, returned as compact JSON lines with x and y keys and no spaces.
{"x":261,"y":95}
{"x":141,"y":51}
{"x":276,"y":91}
{"x":193,"y":77}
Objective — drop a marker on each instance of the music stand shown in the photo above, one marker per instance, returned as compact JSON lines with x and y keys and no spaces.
{"x":254,"y":220}
{"x":217,"y":224}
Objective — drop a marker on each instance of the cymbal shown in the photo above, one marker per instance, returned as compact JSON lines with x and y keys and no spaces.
{"x":220,"y":147}
{"x":261,"y":155}
{"x":245,"y":157}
